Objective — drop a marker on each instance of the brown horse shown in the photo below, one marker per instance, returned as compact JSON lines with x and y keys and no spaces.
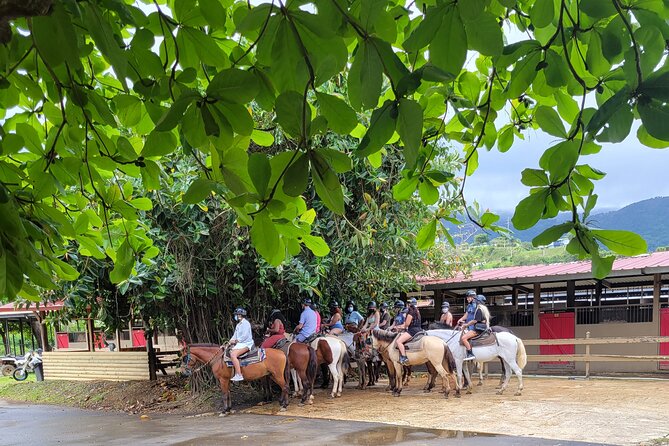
{"x":274,"y":365}
{"x":303,"y":367}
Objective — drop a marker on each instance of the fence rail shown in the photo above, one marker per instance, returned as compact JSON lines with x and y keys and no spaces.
{"x":588,"y":357}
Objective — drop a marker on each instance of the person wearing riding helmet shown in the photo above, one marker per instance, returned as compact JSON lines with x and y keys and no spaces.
{"x":400,"y":314}
{"x":386,"y":318}
{"x":446,"y":316}
{"x":412,"y":325}
{"x":241,"y":341}
{"x":471,"y":308}
{"x":479,"y":324}
{"x":353,"y":318}
{"x":308,"y":320}
{"x":373,"y":318}
{"x":276,"y":328}
{"x":334,"y":327}
{"x":314,"y":306}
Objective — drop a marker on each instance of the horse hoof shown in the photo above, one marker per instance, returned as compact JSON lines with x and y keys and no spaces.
{"x":457,"y":395}
{"x":332,"y":396}
{"x":469,"y":392}
{"x":338,"y":394}
{"x":283,"y":409}
{"x":427,"y":390}
{"x":499,"y":392}
{"x":300,"y":404}
{"x":517,"y":394}
{"x":223,"y":414}
{"x":479,"y":384}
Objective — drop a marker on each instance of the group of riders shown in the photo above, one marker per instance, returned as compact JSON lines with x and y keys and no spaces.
{"x":404,"y":319}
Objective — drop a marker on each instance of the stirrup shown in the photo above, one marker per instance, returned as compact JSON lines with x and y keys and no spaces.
{"x":403,"y":360}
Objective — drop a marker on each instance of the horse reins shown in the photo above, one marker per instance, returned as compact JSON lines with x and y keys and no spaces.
{"x":220,"y":352}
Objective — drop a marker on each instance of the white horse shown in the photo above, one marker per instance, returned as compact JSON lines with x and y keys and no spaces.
{"x":332,"y":351}
{"x":510,"y":350}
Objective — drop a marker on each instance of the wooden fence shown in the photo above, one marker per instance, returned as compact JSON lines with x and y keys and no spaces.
{"x":587,"y":357}
{"x":84,"y":366}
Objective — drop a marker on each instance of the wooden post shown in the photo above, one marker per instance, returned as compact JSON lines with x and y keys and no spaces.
{"x":571,"y":293}
{"x":152,"y":356}
{"x":90,"y":328}
{"x":23,"y":341}
{"x":536,"y":304}
{"x":587,"y":356}
{"x":438,"y":300}
{"x":657,"y":285}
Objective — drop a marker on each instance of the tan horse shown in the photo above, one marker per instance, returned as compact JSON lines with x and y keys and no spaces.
{"x":274,"y":365}
{"x":433,"y":350}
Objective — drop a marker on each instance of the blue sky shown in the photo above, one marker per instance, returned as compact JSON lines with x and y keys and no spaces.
{"x":634,"y":173}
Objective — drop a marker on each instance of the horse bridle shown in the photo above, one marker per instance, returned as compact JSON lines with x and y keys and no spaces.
{"x":220,"y":352}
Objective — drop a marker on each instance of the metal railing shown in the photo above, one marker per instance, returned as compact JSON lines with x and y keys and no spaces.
{"x":633,"y":313}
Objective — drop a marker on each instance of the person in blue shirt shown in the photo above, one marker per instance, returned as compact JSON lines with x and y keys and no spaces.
{"x":400,"y":314}
{"x":353,"y":319}
{"x":471,"y":308}
{"x":308,"y":322}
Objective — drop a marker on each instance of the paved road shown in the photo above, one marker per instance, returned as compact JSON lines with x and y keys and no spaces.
{"x":22,"y":424}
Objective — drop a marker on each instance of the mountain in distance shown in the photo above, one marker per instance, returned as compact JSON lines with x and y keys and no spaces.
{"x":648,"y":218}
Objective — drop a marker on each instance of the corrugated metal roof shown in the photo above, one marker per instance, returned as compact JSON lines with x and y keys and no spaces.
{"x":658,"y":261}
{"x":11,"y":310}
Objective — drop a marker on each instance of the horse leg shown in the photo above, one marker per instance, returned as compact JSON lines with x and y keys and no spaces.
{"x":502,"y":375}
{"x":305,"y":382}
{"x":362,"y":373}
{"x":519,"y":373}
{"x":445,"y":385}
{"x":335,"y":379}
{"x":398,"y":379}
{"x":468,"y":376}
{"x":225,"y":389}
{"x":406,"y":375}
{"x":459,"y":376}
{"x":431,"y":378}
{"x":293,"y":376}
{"x":480,"y":367}
{"x":507,"y":377}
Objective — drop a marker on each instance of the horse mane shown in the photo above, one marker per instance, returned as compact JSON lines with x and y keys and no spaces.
{"x":384,"y":335}
{"x":204,"y":345}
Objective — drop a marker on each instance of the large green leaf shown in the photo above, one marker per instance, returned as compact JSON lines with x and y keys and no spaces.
{"x":530,"y":209}
{"x":340,"y":161}
{"x":341,"y":118}
{"x":449,"y":47}
{"x":234,"y":85}
{"x":297,"y":176}
{"x":260,"y":172}
{"x":292,"y":114}
{"x":264,"y":236}
{"x":484,"y":34}
{"x":622,"y":242}
{"x":381,"y":129}
{"x":365,"y":77}
{"x":655,"y":116}
{"x":552,"y":234}
{"x":550,"y":121}
{"x":542,"y":13}
{"x":159,"y":144}
{"x":426,"y":235}
{"x":410,"y":129}
{"x":405,"y":188}
{"x":327,"y":184}
{"x":316,"y":245}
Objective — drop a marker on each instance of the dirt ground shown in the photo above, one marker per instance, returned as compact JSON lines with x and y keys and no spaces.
{"x":612,"y":411}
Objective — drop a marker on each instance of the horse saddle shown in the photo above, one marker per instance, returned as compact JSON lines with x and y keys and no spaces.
{"x":311,"y":338}
{"x":484,"y":339}
{"x":251,"y":357}
{"x":281,"y":343}
{"x":415,"y":343}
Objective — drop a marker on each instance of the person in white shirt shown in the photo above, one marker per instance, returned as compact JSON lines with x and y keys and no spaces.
{"x":241,"y":342}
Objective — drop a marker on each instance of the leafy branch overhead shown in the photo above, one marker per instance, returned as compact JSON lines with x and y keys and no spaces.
{"x":97,"y":93}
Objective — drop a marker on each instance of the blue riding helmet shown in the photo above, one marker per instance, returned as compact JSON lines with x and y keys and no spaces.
{"x":470,"y":293}
{"x":306,"y":301}
{"x":240,"y":311}
{"x":445,"y":305}
{"x":371,"y":305}
{"x":384,"y":306}
{"x":412,"y":301}
{"x":398,"y":304}
{"x":480,"y":298}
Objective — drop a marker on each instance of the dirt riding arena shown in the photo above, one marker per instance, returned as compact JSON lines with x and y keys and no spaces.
{"x":613,"y":411}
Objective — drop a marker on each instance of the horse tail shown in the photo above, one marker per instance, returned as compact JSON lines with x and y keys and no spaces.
{"x":521,"y":354}
{"x":312,"y":366}
{"x":449,"y":360}
{"x":346,"y":361}
{"x":286,"y":373}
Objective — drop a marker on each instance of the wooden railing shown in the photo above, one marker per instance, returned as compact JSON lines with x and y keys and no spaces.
{"x":588,"y":357}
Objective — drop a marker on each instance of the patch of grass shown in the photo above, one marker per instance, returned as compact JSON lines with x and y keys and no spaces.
{"x":661,"y":441}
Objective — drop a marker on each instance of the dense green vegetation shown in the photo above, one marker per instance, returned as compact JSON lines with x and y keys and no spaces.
{"x":100,"y":98}
{"x":505,"y":251}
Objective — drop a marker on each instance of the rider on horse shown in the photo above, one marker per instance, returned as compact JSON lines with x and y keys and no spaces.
{"x":353,"y":318}
{"x":373,"y":317}
{"x":276,"y":327}
{"x":471,"y":308}
{"x":412,"y":325}
{"x":334,"y":327}
{"x":386,"y":318}
{"x":308,"y":322}
{"x":479,"y":324}
{"x":446,"y":316}
{"x":241,"y":342}
{"x":400,"y":314}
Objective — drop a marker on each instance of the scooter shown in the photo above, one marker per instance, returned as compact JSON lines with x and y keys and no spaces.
{"x":31,"y":361}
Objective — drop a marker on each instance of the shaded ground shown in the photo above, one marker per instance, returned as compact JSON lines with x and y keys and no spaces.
{"x":612,"y":411}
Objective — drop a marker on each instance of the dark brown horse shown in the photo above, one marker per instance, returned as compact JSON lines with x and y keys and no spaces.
{"x":303,"y":367}
{"x":274,"y":365}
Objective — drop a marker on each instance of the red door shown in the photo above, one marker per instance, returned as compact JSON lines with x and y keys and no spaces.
{"x":62,"y":340}
{"x":138,"y":339}
{"x":664,"y":331}
{"x":557,"y":326}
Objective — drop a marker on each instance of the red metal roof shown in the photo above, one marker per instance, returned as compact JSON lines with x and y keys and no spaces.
{"x":50,"y":306}
{"x":621,"y":265}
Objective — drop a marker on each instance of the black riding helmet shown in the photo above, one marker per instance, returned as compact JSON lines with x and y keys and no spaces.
{"x":239,"y":311}
{"x":371,"y":305}
{"x":398,"y":304}
{"x":334,"y":304}
{"x":384,"y":306}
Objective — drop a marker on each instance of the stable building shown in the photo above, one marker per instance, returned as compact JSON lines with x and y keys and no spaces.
{"x":564,"y":301}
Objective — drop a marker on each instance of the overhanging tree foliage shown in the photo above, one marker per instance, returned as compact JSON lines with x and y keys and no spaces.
{"x":96,"y":92}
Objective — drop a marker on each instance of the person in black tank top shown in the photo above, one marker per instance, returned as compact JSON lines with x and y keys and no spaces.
{"x":412,"y":326}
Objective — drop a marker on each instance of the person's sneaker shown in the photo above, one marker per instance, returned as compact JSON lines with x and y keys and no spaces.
{"x":237,"y":377}
{"x":470,"y":356}
{"x":403,"y":360}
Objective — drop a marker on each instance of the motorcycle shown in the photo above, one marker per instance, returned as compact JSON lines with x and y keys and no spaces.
{"x":30,"y":362}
